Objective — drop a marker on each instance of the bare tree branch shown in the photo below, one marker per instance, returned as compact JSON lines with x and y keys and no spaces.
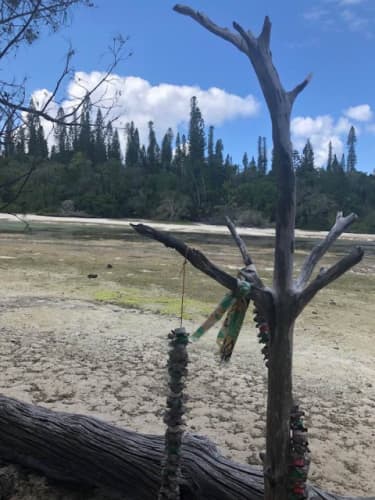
{"x":240,"y":243}
{"x":211,"y":26}
{"x":250,"y":266}
{"x":57,"y":7}
{"x":64,"y":72}
{"x":265,"y":36}
{"x":299,"y":88}
{"x":42,"y":113}
{"x":247,"y":36}
{"x":23,"y":29}
{"x":20,"y":189}
{"x":262,"y":298}
{"x":326,"y":277}
{"x":195,"y":257}
{"x":341,"y":224}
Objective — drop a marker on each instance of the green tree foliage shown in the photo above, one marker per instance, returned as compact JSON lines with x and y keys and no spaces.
{"x":99,"y":149}
{"x":352,"y":156}
{"x":85,"y":140}
{"x":36,"y":143}
{"x":86,"y":172}
{"x":307,"y":159}
{"x":133,"y":153}
{"x":61,"y":136}
{"x":195,"y":165}
{"x":153,"y":150}
{"x":114,"y":152}
{"x":262,"y":156}
{"x":330,"y":157}
{"x":9,"y":139}
{"x":167,"y":150}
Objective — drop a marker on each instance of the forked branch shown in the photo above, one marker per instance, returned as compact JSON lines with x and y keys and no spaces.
{"x":202,"y":19}
{"x":258,"y":51}
{"x":341,"y":224}
{"x":326,"y":276}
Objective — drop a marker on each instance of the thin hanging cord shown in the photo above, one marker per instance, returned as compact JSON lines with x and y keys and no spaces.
{"x":183,"y":271}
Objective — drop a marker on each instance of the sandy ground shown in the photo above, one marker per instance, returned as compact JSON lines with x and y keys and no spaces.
{"x":195,"y":227}
{"x":77,"y":355}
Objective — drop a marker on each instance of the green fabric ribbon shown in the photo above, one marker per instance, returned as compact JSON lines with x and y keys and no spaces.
{"x":236,"y":303}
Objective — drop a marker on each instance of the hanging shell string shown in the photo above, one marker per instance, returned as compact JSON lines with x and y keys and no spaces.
{"x":183,"y":271}
{"x":174,"y":416}
{"x":263,"y":334}
{"x":299,"y":456}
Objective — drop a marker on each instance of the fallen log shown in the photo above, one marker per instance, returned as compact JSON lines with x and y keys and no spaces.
{"x":85,"y":451}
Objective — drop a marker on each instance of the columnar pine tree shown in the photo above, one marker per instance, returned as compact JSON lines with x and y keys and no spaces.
{"x":166,"y":150}
{"x":177,"y":157}
{"x":252,"y":167}
{"x":85,"y":140}
{"x":100,"y":153}
{"x":9,"y":138}
{"x":210,"y":146}
{"x":61,"y":135}
{"x":20,"y":141}
{"x":245,"y":161}
{"x":307,"y":158}
{"x":42,"y":144}
{"x":330,"y":157}
{"x":153,"y":150}
{"x":352,"y":156}
{"x":132,"y":155}
{"x":219,"y":153}
{"x":73,"y":135}
{"x":36,"y":143}
{"x":115,"y":149}
{"x":196,"y":158}
{"x":108,"y":137}
{"x":32,"y":125}
{"x":262,"y":155}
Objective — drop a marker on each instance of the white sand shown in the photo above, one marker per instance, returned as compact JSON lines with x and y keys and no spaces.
{"x":183,"y":228}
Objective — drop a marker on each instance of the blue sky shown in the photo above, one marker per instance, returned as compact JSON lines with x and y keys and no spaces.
{"x":173,"y":58}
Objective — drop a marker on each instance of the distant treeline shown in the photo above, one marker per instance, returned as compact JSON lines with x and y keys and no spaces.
{"x":186,"y":177}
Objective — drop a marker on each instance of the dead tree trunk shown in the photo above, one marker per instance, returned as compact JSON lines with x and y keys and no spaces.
{"x":288,"y":300}
{"x":85,"y":451}
{"x":281,"y":311}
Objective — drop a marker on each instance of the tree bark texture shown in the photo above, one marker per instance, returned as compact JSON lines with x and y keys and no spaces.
{"x":86,"y":451}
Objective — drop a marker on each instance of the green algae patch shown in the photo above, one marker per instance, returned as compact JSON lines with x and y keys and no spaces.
{"x":155,"y":301}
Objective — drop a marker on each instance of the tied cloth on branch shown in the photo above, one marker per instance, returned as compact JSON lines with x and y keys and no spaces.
{"x":236,"y":303}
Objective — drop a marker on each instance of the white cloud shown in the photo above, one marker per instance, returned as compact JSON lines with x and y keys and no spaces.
{"x":352,"y":15}
{"x":315,"y":14}
{"x":165,"y":104}
{"x":350,"y":2}
{"x":361,"y":113}
{"x":356,"y":22}
{"x":321,"y":130}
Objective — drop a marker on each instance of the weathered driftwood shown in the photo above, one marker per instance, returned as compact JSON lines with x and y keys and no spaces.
{"x":86,"y":451}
